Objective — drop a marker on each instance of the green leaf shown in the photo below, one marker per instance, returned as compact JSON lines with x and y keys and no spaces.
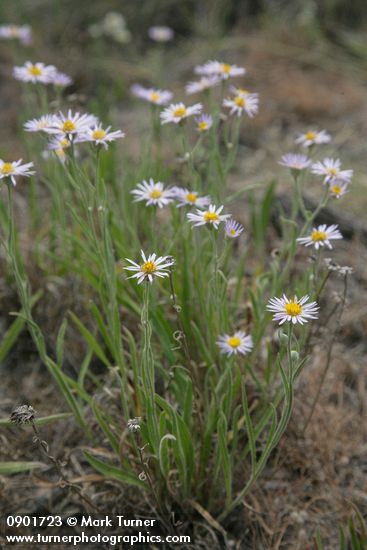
{"x":7,"y":468}
{"x":224,"y":456}
{"x":90,"y":339}
{"x":114,"y":472}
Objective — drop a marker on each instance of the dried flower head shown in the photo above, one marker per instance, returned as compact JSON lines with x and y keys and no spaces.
{"x":133,"y":424}
{"x":23,"y":414}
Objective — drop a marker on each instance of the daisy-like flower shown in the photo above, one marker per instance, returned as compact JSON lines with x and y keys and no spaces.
{"x":39,"y":124}
{"x":212,"y":216}
{"x":243,"y":103}
{"x":295,"y":161}
{"x":321,"y":236}
{"x":72,"y":124}
{"x":35,"y":72}
{"x":233,"y":229}
{"x":150,"y":268}
{"x":161,"y":33}
{"x":331,"y":170}
{"x":338,"y":188}
{"x":294,"y":311}
{"x":313,"y":137}
{"x":191,"y":198}
{"x":62,"y":80}
{"x":178,"y":111}
{"x":21,"y":32}
{"x":204,"y":123}
{"x":153,"y":193}
{"x":238,"y":343}
{"x":153,"y":95}
{"x":59,"y":145}
{"x":99,"y":136}
{"x":218,"y":68}
{"x":204,"y":83}
{"x":14,"y":169}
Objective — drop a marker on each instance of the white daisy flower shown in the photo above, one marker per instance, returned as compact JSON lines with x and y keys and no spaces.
{"x":239,"y":91}
{"x":212,"y":216}
{"x":238,"y":343}
{"x":161,"y":33}
{"x":218,"y":68}
{"x":204,"y":83}
{"x":178,"y":111}
{"x":150,"y":268}
{"x":21,"y":32}
{"x":295,"y":161}
{"x":39,"y":124}
{"x":14,"y":169}
{"x":331,"y":170}
{"x":204,"y":123}
{"x":100,"y":136}
{"x":153,"y":193}
{"x":321,"y":236}
{"x":338,"y":188}
{"x":153,"y":95}
{"x":59,"y":145}
{"x":313,"y":137}
{"x":294,"y":311}
{"x":243,"y":104}
{"x":62,"y":80}
{"x":35,"y":72}
{"x":191,"y":198}
{"x":233,"y":229}
{"x":72,"y":124}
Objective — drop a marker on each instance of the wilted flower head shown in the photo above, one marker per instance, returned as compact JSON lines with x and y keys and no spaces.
{"x":178,"y":112}
{"x":160,"y":33}
{"x":295,"y":161}
{"x":133,"y":424}
{"x":212,"y":216}
{"x":14,"y":169}
{"x":294,"y":311}
{"x":233,"y":229}
{"x":153,"y":95}
{"x":23,"y":414}
{"x":154,"y":193}
{"x":204,"y":83}
{"x":35,"y":72}
{"x":113,"y":25}
{"x":62,"y":80}
{"x":239,"y":342}
{"x":21,"y":32}
{"x":313,"y":137}
{"x":218,"y":68}
{"x":150,"y":268}
{"x":340,"y":269}
{"x":321,"y":236}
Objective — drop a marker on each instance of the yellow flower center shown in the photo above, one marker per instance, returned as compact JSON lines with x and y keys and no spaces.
{"x":318,"y":236}
{"x":226,"y":68}
{"x":310,"y":135}
{"x":98,"y":134}
{"x":7,"y":168}
{"x":34,"y":71}
{"x":179,"y":112}
{"x":149,"y":267}
{"x":210,"y":217}
{"x":240,"y":101}
{"x":233,"y":232}
{"x":64,"y":143}
{"x":336,"y":189}
{"x":68,"y":126}
{"x":203,"y":126}
{"x":155,"y":194}
{"x":14,"y":30}
{"x":234,"y":341}
{"x":293,"y":309}
{"x":332,"y":171}
{"x":242,"y":91}
{"x":154,"y":97}
{"x":60,"y":153}
{"x":191,"y":197}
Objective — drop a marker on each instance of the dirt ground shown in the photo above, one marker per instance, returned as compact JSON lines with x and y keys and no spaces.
{"x":312,"y":478}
